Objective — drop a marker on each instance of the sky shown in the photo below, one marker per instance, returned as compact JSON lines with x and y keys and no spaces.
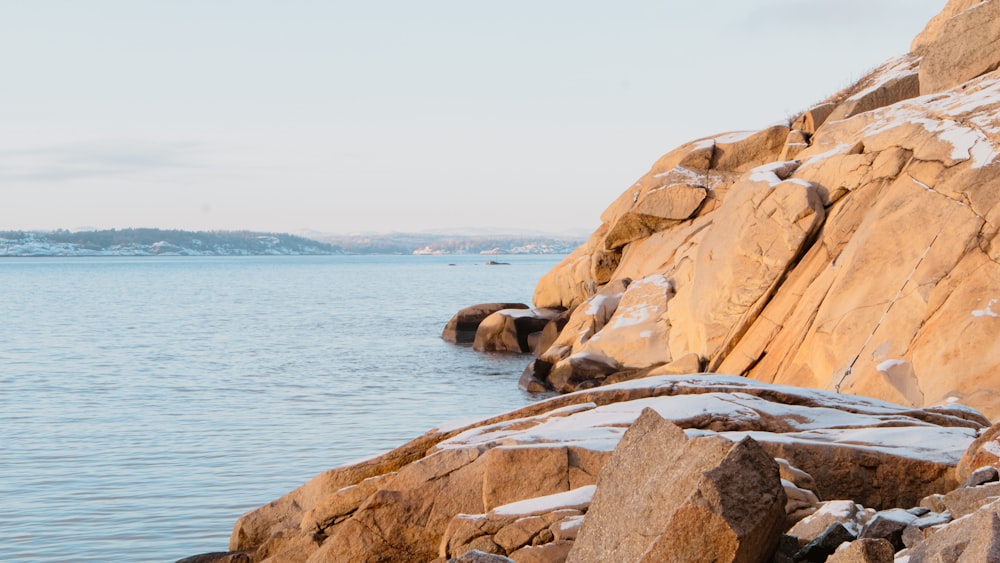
{"x":382,"y":116}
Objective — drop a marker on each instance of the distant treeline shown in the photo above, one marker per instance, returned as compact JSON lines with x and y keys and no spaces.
{"x":242,"y":242}
{"x":409,"y":243}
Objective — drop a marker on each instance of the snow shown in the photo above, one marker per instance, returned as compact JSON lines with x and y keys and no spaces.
{"x":839,"y":509}
{"x":569,"y":499}
{"x":599,"y":302}
{"x":703,"y":144}
{"x":992,"y":447}
{"x":931,"y":443}
{"x":987,"y":311}
{"x":885,"y":366}
{"x":840,"y":148}
{"x":570,"y":523}
{"x":951,"y":122}
{"x":896,"y":515}
{"x":735,"y":137}
{"x":902,"y":66}
{"x":922,"y":185}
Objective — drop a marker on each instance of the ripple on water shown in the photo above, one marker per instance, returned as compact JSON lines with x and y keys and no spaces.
{"x":146,"y":403}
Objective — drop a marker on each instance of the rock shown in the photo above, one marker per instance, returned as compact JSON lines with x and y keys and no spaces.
{"x":404,"y":521}
{"x":733,"y":276}
{"x":825,"y":543}
{"x":983,"y":452}
{"x":630,"y":334}
{"x":218,"y":557}
{"x":893,"y":82}
{"x":462,"y":327}
{"x":554,"y":552}
{"x":772,"y":275}
{"x":517,"y":525}
{"x":975,"y":538}
{"x":800,"y":503}
{"x":507,"y":330}
{"x":534,"y":376}
{"x":965,"y":47}
{"x":664,"y":497}
{"x":513,"y":474}
{"x":934,"y":502}
{"x":868,"y":550}
{"x":476,"y":556}
{"x":982,"y":476}
{"x":569,"y":374}
{"x":654,"y":210}
{"x":968,"y":499}
{"x":742,"y":151}
{"x":796,"y":142}
{"x":812,"y":118}
{"x":889,"y":525}
{"x":788,"y":546}
{"x":849,"y":514}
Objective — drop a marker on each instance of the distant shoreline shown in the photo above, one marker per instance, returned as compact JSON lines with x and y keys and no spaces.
{"x":160,"y":242}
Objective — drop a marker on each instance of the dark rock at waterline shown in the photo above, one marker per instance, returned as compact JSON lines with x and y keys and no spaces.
{"x":461,"y":329}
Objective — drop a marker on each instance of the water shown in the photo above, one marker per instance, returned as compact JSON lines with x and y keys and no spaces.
{"x":145,"y":403}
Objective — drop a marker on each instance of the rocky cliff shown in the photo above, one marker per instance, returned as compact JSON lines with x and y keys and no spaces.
{"x":853,"y":248}
{"x":845,"y":263}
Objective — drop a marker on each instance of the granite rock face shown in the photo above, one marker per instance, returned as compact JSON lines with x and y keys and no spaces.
{"x":523,"y":484}
{"x":853,"y":249}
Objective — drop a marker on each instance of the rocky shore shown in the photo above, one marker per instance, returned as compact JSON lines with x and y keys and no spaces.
{"x":780,"y":345}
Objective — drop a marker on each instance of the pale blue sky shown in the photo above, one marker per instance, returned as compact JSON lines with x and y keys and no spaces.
{"x":394,"y":115}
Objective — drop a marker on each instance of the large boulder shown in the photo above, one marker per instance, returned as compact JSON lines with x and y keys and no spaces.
{"x":965,"y":46}
{"x":663,"y":497}
{"x":508,"y":330}
{"x":462,"y":327}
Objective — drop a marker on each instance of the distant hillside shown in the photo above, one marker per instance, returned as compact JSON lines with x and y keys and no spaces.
{"x":433,"y":243}
{"x":157,"y":242}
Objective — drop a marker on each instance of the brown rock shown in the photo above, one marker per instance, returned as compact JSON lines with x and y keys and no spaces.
{"x":341,"y":504}
{"x":864,"y":551}
{"x":967,"y":500}
{"x":662,"y":497}
{"x":554,"y":552}
{"x":655,"y":210}
{"x":812,"y":118}
{"x":892,"y":82}
{"x":218,"y":557}
{"x":761,"y":229}
{"x":973,"y":539}
{"x":513,"y":474}
{"x":568,"y":374}
{"x":507,"y":330}
{"x":405,"y":520}
{"x":965,"y":47}
{"x":740,"y":152}
{"x":846,"y":512}
{"x":462,"y":327}
{"x":984,"y":452}
{"x":519,"y":533}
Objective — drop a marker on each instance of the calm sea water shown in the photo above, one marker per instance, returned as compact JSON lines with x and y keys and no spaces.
{"x":145,"y":403}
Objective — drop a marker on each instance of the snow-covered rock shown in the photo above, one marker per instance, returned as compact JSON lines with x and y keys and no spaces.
{"x":535,"y":468}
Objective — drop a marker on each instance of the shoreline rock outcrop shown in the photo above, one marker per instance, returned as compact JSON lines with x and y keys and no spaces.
{"x":528,"y":480}
{"x":843,"y":267}
{"x":853,"y":249}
